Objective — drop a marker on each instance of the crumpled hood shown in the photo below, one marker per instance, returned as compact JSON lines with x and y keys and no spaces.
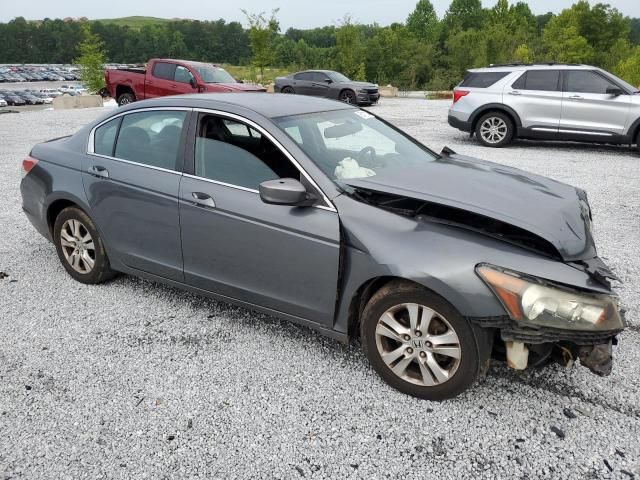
{"x":238,"y":87}
{"x":552,"y":210}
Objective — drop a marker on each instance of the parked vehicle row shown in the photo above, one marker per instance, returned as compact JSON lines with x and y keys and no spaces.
{"x":28,"y":96}
{"x":546,"y":101}
{"x":37,"y":73}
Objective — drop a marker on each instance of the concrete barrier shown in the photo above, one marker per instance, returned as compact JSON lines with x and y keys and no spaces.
{"x":65,"y":102}
{"x":388,"y":91}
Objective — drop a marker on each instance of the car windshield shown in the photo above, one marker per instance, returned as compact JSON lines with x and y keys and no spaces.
{"x":211,"y":74}
{"x":338,"y":77}
{"x":352,"y":143}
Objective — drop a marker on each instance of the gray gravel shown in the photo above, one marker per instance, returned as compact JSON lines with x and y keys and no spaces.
{"x":137,"y":380}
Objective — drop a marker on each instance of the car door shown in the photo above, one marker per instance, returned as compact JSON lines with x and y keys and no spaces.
{"x":182,"y":81}
{"x":587,"y":108}
{"x":320,"y":84}
{"x":161,"y":81}
{"x":536,"y":96}
{"x":131,"y":176}
{"x":302,"y":83}
{"x":280,"y":257}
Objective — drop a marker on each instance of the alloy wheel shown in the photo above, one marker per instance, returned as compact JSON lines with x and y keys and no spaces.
{"x":494,"y":130}
{"x":78,"y":246}
{"x":418,"y":344}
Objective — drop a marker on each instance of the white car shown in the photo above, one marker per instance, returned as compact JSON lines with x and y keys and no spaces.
{"x":3,"y":103}
{"x":73,"y":89}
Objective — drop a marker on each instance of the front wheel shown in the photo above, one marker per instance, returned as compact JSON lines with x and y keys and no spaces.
{"x":80,"y":247}
{"x":418,"y":343}
{"x":495,"y":129}
{"x":347,"y":96}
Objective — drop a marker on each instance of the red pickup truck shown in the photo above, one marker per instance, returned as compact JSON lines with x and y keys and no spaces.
{"x":164,"y":77}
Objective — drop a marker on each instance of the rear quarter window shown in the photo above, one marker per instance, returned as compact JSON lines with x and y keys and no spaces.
{"x":105,"y":137}
{"x":482,"y":79}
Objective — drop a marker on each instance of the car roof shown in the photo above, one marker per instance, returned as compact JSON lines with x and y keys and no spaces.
{"x":521,"y":67}
{"x":271,"y":105}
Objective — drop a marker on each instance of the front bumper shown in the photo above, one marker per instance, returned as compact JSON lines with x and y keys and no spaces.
{"x":368,"y":98}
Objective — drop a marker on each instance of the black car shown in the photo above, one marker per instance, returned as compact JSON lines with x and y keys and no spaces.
{"x":328,"y":84}
{"x":14,"y":100}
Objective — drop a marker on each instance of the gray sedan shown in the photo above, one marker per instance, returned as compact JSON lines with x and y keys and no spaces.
{"x":328,"y":84}
{"x":328,"y":216}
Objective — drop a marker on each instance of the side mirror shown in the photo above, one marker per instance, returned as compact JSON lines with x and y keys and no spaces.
{"x":193,"y":83}
{"x":328,"y":80}
{"x":615,"y":91}
{"x":285,"y":191}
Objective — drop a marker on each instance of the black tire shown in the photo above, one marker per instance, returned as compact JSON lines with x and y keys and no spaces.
{"x":126,"y":99}
{"x":288,"y":90}
{"x":348,"y":96}
{"x":638,"y":141}
{"x":471,"y":355}
{"x":101,"y":270}
{"x":495,"y":129}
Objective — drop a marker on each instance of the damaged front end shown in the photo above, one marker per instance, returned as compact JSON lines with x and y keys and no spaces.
{"x":547,"y":320}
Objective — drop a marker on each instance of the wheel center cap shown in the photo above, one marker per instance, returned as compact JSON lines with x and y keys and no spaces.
{"x":417,"y":343}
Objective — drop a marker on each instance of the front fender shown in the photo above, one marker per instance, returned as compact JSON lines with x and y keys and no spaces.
{"x":380,"y":243}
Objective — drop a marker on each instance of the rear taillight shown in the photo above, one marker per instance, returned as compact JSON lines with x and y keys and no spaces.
{"x":28,"y":164}
{"x":458,"y":94}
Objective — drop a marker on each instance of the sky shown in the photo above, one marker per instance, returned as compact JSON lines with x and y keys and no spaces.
{"x":293,"y":13}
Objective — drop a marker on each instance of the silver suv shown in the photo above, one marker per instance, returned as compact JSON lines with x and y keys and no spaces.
{"x":546,"y":101}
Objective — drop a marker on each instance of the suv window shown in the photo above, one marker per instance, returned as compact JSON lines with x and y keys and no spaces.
{"x":105,"y":137}
{"x":482,"y":79}
{"x":585,"y":81}
{"x":225,"y":153}
{"x":304,"y":76}
{"x":164,"y":70}
{"x":151,"y":138}
{"x":541,"y":80}
{"x":182,"y":75}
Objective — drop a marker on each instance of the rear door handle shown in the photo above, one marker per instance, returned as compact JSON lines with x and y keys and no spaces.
{"x":576,"y":97}
{"x":203,"y":199}
{"x":514,"y":92}
{"x":98,"y":171}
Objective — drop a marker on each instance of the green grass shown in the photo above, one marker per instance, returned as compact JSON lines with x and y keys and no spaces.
{"x":251,"y":73}
{"x":135,"y":22}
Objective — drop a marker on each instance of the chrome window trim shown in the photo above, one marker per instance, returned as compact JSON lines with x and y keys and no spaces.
{"x":175,"y":172}
{"x":328,"y":204}
{"x":217,"y":182}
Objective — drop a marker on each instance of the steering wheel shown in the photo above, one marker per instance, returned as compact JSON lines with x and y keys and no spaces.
{"x":367,"y":156}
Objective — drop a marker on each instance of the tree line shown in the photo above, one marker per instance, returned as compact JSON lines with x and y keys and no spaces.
{"x":423,"y":52}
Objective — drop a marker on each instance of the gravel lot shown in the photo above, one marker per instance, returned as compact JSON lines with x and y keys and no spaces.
{"x":137,"y":380}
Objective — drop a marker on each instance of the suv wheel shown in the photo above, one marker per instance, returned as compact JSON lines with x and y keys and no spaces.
{"x":418,"y":343}
{"x":494,"y":129}
{"x":638,"y":141}
{"x":80,"y":248}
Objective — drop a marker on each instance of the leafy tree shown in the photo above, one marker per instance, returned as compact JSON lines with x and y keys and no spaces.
{"x":423,"y":21}
{"x":91,"y":61}
{"x":629,"y":69}
{"x":262,"y":33}
{"x":463,"y":15}
{"x":349,"y":50}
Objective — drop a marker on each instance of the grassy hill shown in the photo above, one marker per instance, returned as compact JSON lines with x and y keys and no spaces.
{"x":136,"y":22}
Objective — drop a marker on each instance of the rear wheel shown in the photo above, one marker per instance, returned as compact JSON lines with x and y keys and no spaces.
{"x":288,"y":90}
{"x":494,"y":129}
{"x":80,"y":248}
{"x":638,"y":141}
{"x":126,"y":99}
{"x":418,"y":343}
{"x":347,"y":96}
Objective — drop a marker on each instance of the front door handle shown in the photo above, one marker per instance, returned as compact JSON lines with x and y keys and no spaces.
{"x":98,"y":171}
{"x":576,"y":97}
{"x":514,"y":92}
{"x":203,"y":199}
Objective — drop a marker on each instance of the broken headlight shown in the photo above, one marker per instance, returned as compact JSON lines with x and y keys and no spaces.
{"x":538,"y":302}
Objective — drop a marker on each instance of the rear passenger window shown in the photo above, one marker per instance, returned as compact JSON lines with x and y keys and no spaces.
{"x":304,"y":76}
{"x":542,"y":80}
{"x":151,"y":138}
{"x":584,"y":81}
{"x":482,"y":79}
{"x":105,"y":137}
{"x":164,"y":70}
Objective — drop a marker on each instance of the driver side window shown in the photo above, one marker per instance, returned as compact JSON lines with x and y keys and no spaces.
{"x":183,"y":75}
